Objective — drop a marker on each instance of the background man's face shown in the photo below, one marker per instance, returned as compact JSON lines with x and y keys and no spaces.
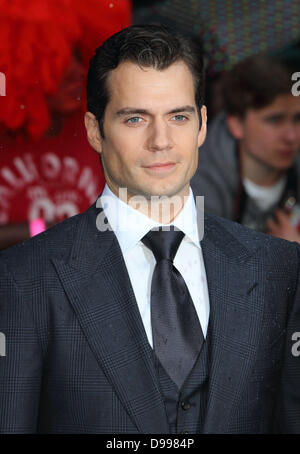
{"x":151,"y":129}
{"x":272,"y":134}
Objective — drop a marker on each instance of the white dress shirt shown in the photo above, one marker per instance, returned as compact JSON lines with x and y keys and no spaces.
{"x":130,"y":226}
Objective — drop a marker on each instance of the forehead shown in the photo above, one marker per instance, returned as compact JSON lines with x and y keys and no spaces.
{"x":132,"y":85}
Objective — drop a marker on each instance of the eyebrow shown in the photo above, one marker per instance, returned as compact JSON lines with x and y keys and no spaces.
{"x":280,"y":116}
{"x":132,"y":111}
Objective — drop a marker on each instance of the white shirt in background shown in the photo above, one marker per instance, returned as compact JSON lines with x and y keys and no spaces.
{"x":265,"y":196}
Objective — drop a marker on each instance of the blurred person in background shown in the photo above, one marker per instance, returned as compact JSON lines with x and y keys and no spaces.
{"x":249,"y":166}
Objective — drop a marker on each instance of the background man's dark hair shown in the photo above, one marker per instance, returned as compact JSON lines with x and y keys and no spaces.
{"x":254,"y":83}
{"x":154,"y":46}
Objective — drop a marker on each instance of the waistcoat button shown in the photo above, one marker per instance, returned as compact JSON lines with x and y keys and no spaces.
{"x":185,"y":405}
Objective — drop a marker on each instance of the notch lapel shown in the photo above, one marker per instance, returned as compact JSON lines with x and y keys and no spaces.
{"x":97,"y":284}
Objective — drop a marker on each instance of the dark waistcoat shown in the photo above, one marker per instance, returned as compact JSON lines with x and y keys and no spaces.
{"x":186,"y":407}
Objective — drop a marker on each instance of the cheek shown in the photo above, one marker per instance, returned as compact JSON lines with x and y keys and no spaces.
{"x":298,"y":134}
{"x":186,"y":141}
{"x":125,"y":145}
{"x":262,"y":140}
{"x":114,"y":161}
{"x":270,"y":140}
{"x":123,"y":165}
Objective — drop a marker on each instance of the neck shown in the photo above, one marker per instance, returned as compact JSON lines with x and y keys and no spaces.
{"x":256,"y":170}
{"x":162,"y":209}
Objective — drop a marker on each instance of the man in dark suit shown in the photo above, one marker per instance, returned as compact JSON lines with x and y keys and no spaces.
{"x":111,"y":327}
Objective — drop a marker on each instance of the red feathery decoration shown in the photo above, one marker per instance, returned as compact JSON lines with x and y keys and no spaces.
{"x":37,"y":38}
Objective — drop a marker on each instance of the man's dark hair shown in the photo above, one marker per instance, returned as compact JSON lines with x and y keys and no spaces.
{"x":254,"y":83}
{"x":154,"y":46}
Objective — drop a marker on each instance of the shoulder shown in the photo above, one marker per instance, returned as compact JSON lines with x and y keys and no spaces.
{"x":34,"y":254}
{"x":252,"y":241}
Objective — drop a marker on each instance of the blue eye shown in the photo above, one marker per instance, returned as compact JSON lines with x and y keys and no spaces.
{"x":133,"y":120}
{"x":179,"y":117}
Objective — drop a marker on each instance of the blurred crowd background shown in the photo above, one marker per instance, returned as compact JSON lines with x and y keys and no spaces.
{"x":249,"y":168}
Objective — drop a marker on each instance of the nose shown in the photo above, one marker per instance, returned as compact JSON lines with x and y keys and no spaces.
{"x":159,"y":137}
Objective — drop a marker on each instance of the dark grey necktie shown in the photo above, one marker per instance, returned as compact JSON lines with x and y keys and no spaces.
{"x":177,"y":333}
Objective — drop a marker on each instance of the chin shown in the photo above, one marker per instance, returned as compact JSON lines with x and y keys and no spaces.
{"x":156,"y":191}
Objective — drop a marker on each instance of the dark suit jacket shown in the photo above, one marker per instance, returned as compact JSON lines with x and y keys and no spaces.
{"x":77,"y":356}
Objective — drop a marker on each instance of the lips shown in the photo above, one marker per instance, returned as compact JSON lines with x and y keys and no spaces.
{"x":287,"y":153}
{"x":160,"y":168}
{"x":160,"y":164}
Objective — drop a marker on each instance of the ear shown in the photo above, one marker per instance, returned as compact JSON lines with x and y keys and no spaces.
{"x":236,"y":126}
{"x":93,"y":133}
{"x":202,"y":131}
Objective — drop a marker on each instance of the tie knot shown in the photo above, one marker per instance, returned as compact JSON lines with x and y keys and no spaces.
{"x":163,"y":243}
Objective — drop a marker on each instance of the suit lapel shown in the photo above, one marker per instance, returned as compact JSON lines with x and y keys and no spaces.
{"x":236,"y":314}
{"x":97,"y":284}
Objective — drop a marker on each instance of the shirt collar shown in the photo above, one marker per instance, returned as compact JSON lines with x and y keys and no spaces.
{"x":130,"y":225}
